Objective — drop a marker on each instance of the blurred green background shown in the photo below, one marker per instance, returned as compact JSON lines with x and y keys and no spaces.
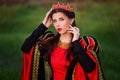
{"x":100,"y":19}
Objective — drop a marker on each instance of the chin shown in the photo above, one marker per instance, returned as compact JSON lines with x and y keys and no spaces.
{"x":62,"y":33}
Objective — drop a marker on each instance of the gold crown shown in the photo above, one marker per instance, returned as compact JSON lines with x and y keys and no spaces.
{"x":62,"y":6}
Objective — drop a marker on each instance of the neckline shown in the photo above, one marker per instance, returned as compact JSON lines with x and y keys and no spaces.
{"x":64,"y":45}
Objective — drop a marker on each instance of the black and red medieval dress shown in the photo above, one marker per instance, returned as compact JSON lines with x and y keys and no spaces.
{"x":84,"y":66}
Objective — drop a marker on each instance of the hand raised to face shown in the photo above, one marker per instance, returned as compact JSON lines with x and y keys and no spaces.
{"x":47,"y":21}
{"x":75,"y":31}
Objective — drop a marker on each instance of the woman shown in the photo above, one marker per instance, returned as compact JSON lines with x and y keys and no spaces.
{"x":64,"y":56}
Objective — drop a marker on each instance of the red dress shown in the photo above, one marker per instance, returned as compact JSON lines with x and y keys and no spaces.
{"x":59,"y":62}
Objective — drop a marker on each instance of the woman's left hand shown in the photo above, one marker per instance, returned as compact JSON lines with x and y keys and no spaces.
{"x":75,"y":31}
{"x":47,"y":21}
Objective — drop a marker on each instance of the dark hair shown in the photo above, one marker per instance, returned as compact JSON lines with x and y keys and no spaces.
{"x":53,"y":42}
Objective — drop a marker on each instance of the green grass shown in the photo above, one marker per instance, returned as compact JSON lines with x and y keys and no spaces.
{"x":100,"y":20}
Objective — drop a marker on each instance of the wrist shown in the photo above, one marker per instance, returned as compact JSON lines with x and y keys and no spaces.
{"x":75,"y":38}
{"x":45,"y":24}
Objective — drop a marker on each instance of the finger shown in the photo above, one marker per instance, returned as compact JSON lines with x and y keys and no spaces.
{"x":49,"y":12}
{"x":51,"y":9}
{"x":76,"y":29}
{"x":73,"y":27}
{"x":70,"y":31}
{"x":70,"y":26}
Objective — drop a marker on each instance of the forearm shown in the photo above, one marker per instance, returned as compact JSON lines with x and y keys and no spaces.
{"x":31,"y":40}
{"x":86,"y":62}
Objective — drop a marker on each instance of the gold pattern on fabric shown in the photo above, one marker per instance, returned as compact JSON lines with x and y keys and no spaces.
{"x":97,"y":49}
{"x":45,"y":36}
{"x":99,"y":67}
{"x":36,"y":57}
{"x":86,"y":46}
{"x":88,"y":43}
{"x":48,"y":72}
{"x":73,"y":75}
{"x":64,"y":44}
{"x":93,"y":42}
{"x":43,"y":39}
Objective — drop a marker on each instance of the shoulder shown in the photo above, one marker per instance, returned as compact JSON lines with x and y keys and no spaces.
{"x":47,"y":36}
{"x":90,"y":43}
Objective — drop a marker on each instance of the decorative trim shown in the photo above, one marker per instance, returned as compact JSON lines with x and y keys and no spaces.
{"x":64,"y":44}
{"x":86,"y":40}
{"x":36,"y":57}
{"x":99,"y":66}
{"x":43,"y":39}
{"x":48,"y":71}
{"x":94,"y":43}
{"x":73,"y":75}
{"x":62,"y":6}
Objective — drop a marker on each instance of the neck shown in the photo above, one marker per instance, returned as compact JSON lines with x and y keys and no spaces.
{"x":66,"y":38}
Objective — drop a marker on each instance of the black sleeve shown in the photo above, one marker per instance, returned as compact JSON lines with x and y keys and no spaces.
{"x":31,"y":40}
{"x":86,"y":62}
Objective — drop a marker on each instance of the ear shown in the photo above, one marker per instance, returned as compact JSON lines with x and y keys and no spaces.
{"x":72,"y":20}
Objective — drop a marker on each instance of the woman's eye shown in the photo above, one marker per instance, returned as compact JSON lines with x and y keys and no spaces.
{"x":54,"y":21}
{"x":61,"y":19}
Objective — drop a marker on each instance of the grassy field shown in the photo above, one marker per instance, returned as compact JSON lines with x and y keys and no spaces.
{"x":101,"y":20}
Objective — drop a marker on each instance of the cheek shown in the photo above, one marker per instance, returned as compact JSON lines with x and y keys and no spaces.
{"x":66,"y":27}
{"x":66,"y":24}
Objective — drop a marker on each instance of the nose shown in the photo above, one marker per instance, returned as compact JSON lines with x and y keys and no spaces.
{"x":58,"y":24}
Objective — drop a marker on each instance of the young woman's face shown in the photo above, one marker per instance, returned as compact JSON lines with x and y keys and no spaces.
{"x":61,"y":22}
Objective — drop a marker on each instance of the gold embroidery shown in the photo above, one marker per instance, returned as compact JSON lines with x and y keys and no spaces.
{"x":85,"y":46}
{"x":36,"y":56}
{"x":48,"y":72}
{"x":97,"y":49}
{"x":93,"y":43}
{"x":84,"y":41}
{"x":35,"y":63}
{"x":99,"y":67}
{"x":88,"y":42}
{"x":73,"y":75}
{"x":63,"y":44}
{"x":45,"y":36}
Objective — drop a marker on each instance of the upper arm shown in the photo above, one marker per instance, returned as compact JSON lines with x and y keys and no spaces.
{"x":30,"y":41}
{"x":89,"y":43}
{"x":85,"y":48}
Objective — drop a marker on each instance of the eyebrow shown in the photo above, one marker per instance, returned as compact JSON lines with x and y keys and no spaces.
{"x":59,"y":18}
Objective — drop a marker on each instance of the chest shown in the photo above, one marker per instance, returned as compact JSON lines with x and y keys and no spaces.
{"x":58,"y":57}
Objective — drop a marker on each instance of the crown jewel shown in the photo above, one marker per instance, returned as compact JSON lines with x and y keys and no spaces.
{"x":63,"y":6}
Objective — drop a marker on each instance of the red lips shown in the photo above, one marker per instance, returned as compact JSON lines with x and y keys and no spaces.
{"x":59,"y":29}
